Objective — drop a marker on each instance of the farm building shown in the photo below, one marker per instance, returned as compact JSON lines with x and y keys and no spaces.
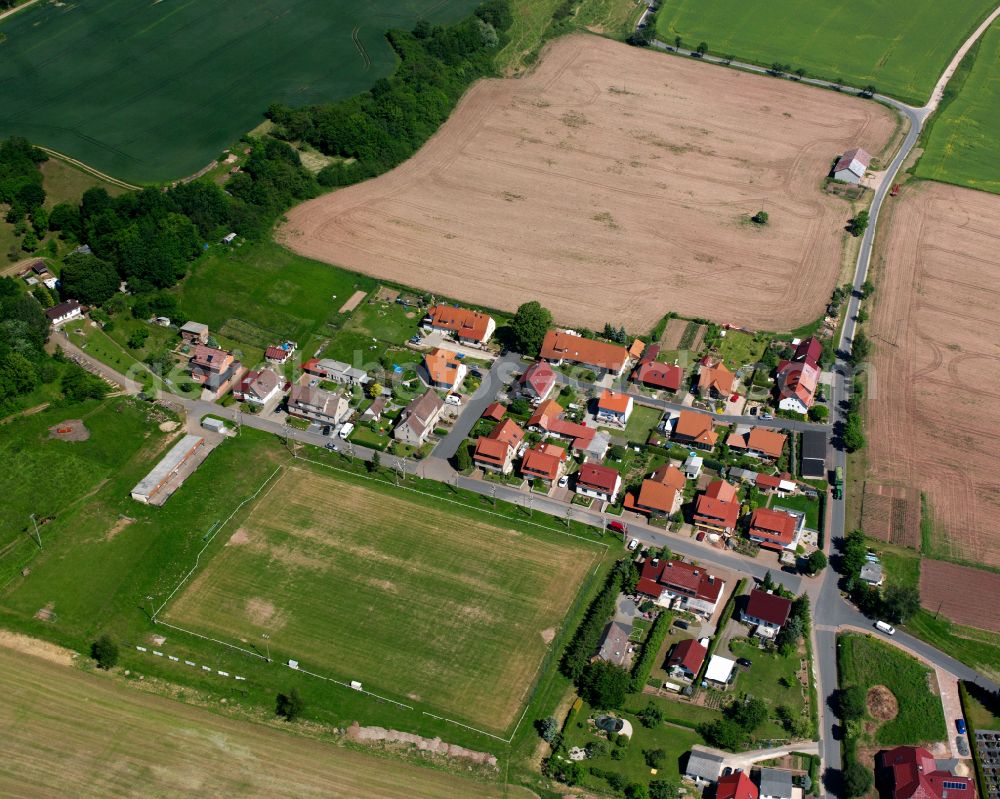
{"x":775,"y":784}
{"x":851,"y":166}
{"x":64,"y":312}
{"x":194,"y":333}
{"x":165,"y":478}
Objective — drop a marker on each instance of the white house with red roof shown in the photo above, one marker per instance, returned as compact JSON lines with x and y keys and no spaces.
{"x":686,"y":658}
{"x":598,"y":481}
{"x":613,"y":407}
{"x":851,"y":166}
{"x":676,"y":584}
{"x":537,"y":381}
{"x":767,"y":612}
{"x":911,"y":772}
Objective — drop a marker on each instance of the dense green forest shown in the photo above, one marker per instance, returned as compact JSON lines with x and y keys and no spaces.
{"x":376,"y":130}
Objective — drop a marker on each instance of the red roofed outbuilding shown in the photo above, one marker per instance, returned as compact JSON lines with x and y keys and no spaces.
{"x":737,"y":785}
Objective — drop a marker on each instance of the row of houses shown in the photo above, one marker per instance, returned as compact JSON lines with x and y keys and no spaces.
{"x":705,"y":767}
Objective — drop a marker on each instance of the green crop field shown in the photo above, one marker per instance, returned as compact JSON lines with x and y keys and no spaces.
{"x":962,"y":143}
{"x":148,"y":92}
{"x":415,"y":601}
{"x":900,"y":46}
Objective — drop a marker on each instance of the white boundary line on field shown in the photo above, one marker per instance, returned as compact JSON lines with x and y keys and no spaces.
{"x":197,"y":559}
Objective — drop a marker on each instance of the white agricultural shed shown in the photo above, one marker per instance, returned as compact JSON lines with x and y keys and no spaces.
{"x":851,"y":166}
{"x":151,"y":489}
{"x":719,"y":670}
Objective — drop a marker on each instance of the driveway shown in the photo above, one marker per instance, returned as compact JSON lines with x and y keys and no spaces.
{"x":437,"y":338}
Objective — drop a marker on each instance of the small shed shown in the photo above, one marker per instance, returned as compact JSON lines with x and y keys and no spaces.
{"x":703,"y":765}
{"x":215,"y":425}
{"x":229,"y":238}
{"x":851,"y":166}
{"x":692,"y":466}
{"x":194,"y":332}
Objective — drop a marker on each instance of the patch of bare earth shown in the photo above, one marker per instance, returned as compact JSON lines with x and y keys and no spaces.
{"x":548,"y":635}
{"x":117,"y":527}
{"x":238,"y":538}
{"x":934,"y":380}
{"x":613,"y":206}
{"x":46,"y":612}
{"x":70,"y":430}
{"x":882,"y":704}
{"x":37,"y":648}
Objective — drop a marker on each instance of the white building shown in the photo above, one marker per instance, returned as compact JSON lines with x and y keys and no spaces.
{"x":64,"y":312}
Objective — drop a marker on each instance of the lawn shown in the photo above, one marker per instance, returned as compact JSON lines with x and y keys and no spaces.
{"x":641,"y":423}
{"x":48,"y":477}
{"x":900,"y":46}
{"x":258,"y":294}
{"x":155,"y":91}
{"x":962,"y":141}
{"x":372,"y":329}
{"x":69,"y":733}
{"x":773,"y":679}
{"x":414,"y":600}
{"x":810,"y":507}
{"x":737,"y":348}
{"x":867,"y":662}
{"x":675,"y":741}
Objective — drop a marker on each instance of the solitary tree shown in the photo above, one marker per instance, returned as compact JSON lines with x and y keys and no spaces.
{"x":859,"y":224}
{"x":867,"y":289}
{"x":861,"y":347}
{"x":463,"y":461}
{"x":800,"y":73}
{"x":289,"y":706}
{"x":702,"y":48}
{"x":105,"y":651}
{"x":677,"y":42}
{"x":819,"y":413}
{"x":529,"y":326}
{"x":868,"y":91}
{"x":849,"y":703}
{"x":816,"y":562}
{"x":548,"y":728}
{"x":374,"y":463}
{"x":900,"y":602}
{"x":857,"y":780}
{"x":760,"y":218}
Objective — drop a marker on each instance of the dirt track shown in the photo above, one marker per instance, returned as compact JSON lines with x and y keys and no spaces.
{"x":935,"y":387}
{"x":613,"y":184}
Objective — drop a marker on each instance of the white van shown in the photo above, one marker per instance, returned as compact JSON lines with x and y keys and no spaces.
{"x":885,"y":627}
{"x":346,"y":430}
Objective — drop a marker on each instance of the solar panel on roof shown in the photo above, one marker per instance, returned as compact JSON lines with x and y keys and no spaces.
{"x":958,"y":786}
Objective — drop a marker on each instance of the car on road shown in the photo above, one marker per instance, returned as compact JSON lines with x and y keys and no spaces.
{"x":885,"y":627}
{"x":962,"y":745}
{"x":346,"y":430}
{"x":564,"y":481}
{"x":453,"y":399}
{"x":332,"y":447}
{"x":618,"y":527}
{"x":960,"y":726}
{"x":744,"y":662}
{"x":766,"y":415}
{"x":700,"y":536}
{"x":326,"y":430}
{"x":633,"y":544}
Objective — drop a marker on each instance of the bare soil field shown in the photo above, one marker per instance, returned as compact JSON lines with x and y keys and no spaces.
{"x":613,"y":184}
{"x":949,"y":586}
{"x":934,"y":386}
{"x":68,"y":733}
{"x":891,"y":514}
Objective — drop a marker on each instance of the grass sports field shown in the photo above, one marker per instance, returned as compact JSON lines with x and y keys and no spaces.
{"x":962,"y":144}
{"x":148,"y":92}
{"x":902,"y":46}
{"x":413,"y":600}
{"x":67,"y":733}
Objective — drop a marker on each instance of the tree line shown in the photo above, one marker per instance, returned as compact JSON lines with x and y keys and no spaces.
{"x":376,"y":130}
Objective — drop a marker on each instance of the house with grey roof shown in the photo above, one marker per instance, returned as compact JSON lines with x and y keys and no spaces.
{"x":703,"y":765}
{"x":417,"y":420}
{"x":775,"y":783}
{"x":871,"y":573}
{"x":614,"y":644}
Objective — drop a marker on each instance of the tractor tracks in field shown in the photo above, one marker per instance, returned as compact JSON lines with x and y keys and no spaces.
{"x":361,"y":48}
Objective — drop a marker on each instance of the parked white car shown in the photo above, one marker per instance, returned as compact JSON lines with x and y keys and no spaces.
{"x":453,"y":399}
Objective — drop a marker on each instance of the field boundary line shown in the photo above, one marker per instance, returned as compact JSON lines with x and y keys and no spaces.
{"x":84,"y":167}
{"x":213,"y":640}
{"x":197,"y":559}
{"x":453,"y":501}
{"x":468,"y":727}
{"x":351,"y":687}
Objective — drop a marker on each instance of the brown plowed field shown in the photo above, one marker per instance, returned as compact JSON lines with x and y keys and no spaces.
{"x":613,"y":184}
{"x":966,"y":596}
{"x":935,"y":384}
{"x":891,"y":514}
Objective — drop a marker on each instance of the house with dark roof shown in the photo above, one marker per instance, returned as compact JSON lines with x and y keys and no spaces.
{"x":775,"y":529}
{"x":766,"y":611}
{"x":614,"y":645}
{"x":687,"y":658}
{"x":318,"y":405}
{"x":674,"y":583}
{"x":598,"y":481}
{"x":64,"y":312}
{"x":851,"y":166}
{"x":563,"y":346}
{"x":537,"y":381}
{"x":703,"y":766}
{"x":258,"y":387}
{"x":417,"y":420}
{"x":813,"y":461}
{"x":736,"y":785}
{"x":775,"y":783}
{"x":495,"y":452}
{"x":717,"y":509}
{"x":911,"y":772}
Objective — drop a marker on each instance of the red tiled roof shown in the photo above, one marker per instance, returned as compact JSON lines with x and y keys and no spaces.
{"x":273,"y":353}
{"x":598,"y":477}
{"x":776,"y":526}
{"x":540,"y":377}
{"x":697,"y":427}
{"x":680,"y":577}
{"x":467,"y":324}
{"x":546,"y":417}
{"x":759,"y":439}
{"x":670,"y":476}
{"x":808,"y":351}
{"x":767,"y":480}
{"x":442,"y":367}
{"x":721,"y":490}
{"x":768,"y":607}
{"x":508,"y":432}
{"x":737,"y":785}
{"x":637,"y":348}
{"x":688,"y":653}
{"x":854,"y":154}
{"x":798,"y":379}
{"x":915,"y":775}
{"x":543,"y":460}
{"x":715,"y":512}
{"x":491,"y":450}
{"x":659,"y":375}
{"x":494,"y":411}
{"x":717,"y":378}
{"x":560,"y":345}
{"x":656,"y":497}
{"x":614,"y":401}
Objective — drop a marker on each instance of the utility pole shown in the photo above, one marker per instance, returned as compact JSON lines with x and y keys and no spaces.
{"x":493,"y":494}
{"x":152,"y":612}
{"x":38,"y":535}
{"x":267,"y":645}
